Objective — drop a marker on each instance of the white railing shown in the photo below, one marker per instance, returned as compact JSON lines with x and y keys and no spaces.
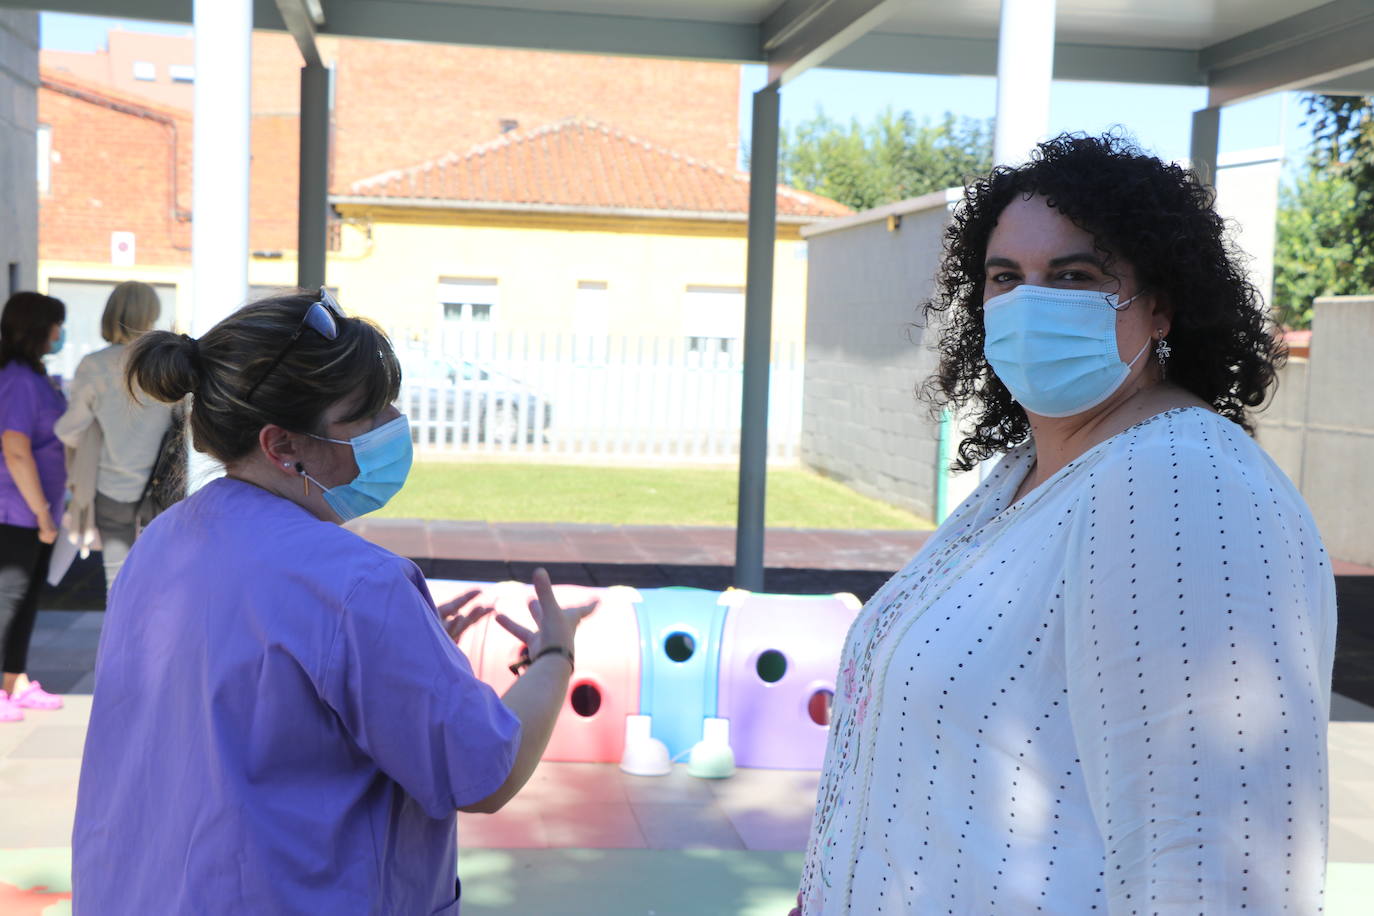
{"x":577,"y":397}
{"x":512,"y":393}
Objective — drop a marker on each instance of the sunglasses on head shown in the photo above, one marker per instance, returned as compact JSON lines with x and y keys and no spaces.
{"x":322,"y":317}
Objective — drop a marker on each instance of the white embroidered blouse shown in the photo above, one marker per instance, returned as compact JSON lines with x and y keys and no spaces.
{"x":1111,"y":696}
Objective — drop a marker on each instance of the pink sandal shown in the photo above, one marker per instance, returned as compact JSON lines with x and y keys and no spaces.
{"x":35,"y":697}
{"x":9,"y":712}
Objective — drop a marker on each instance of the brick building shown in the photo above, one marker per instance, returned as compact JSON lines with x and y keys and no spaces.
{"x":117,"y":163}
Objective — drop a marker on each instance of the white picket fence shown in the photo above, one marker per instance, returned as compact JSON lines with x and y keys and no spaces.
{"x":567,"y":396}
{"x":648,"y":399}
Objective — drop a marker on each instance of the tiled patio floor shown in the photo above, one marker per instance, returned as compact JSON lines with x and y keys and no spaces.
{"x":566,"y":805}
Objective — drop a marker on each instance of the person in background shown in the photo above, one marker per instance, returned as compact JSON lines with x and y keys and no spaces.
{"x":282,"y":721}
{"x":32,"y":480}
{"x":121,"y":433}
{"x":1104,"y":684}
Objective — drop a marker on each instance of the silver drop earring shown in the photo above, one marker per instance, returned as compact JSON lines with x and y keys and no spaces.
{"x":1162,"y":353}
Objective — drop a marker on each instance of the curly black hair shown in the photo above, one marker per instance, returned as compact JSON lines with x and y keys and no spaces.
{"x":1154,"y":215}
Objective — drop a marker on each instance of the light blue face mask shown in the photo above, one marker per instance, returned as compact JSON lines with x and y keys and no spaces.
{"x":1055,"y":349}
{"x":384,"y":456}
{"x":60,"y":341}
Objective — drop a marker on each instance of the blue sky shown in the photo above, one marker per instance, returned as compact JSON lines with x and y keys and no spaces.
{"x":69,"y":32}
{"x":1160,"y":117}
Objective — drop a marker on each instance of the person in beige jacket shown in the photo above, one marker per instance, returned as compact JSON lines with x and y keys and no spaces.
{"x":115,"y":437}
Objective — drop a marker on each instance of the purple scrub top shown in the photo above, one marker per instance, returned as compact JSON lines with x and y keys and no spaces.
{"x":280,"y":724}
{"x":30,"y":404}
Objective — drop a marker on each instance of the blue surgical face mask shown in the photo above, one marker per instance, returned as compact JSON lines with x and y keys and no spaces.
{"x":384,"y":456}
{"x":60,"y":341}
{"x":1055,"y":349}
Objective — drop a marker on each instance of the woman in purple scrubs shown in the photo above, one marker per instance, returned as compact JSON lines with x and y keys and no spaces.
{"x":32,"y":478}
{"x":282,"y":722}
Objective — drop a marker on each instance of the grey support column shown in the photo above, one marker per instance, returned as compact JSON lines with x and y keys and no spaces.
{"x":312,"y":227}
{"x":758,"y":339}
{"x":1202,"y":149}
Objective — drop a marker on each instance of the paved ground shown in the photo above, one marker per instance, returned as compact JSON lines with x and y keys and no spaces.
{"x":567,"y":805}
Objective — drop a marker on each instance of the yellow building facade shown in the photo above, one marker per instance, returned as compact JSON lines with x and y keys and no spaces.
{"x":570,"y":229}
{"x":391,"y":262}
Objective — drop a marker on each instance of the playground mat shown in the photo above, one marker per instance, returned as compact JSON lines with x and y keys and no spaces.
{"x":588,"y":882}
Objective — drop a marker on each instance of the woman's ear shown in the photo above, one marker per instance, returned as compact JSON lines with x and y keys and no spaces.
{"x":1162,"y":314}
{"x":279,"y":446}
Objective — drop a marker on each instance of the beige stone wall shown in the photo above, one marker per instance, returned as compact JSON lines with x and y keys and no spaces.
{"x":1319,"y":427}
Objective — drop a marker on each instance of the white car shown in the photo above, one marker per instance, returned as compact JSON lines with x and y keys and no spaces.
{"x":489,"y":406}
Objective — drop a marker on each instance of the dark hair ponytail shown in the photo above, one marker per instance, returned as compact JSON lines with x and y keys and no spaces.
{"x":162,"y":365}
{"x":220,"y":368}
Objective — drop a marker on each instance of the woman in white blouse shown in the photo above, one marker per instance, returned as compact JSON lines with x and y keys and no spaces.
{"x":130,"y":431}
{"x":1103,"y":685}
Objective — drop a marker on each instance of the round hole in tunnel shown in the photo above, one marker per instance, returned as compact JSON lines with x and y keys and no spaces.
{"x":771,"y":666}
{"x":586,"y":700}
{"x":818,"y":708}
{"x":679,"y":646}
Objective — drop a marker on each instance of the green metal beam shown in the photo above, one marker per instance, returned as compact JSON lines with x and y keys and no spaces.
{"x":801,"y":34}
{"x":894,"y":53}
{"x":1331,"y":45}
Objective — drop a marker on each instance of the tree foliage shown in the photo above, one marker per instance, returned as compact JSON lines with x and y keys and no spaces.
{"x":1316,"y":252}
{"x":1325,"y":243}
{"x":893,"y":158}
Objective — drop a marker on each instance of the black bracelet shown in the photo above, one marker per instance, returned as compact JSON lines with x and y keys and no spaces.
{"x":525,"y":660}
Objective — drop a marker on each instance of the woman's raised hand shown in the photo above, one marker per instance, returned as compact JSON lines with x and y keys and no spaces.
{"x":554,"y":626}
{"x":455,"y":621}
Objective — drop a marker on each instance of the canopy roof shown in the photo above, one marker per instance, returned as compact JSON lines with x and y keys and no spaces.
{"x":1238,"y":48}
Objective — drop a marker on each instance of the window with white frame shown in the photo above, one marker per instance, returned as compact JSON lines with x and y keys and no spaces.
{"x":591,"y":322}
{"x":592,"y":309}
{"x":44,"y":158}
{"x":145,"y":70}
{"x":713,"y":318}
{"x":182,"y":73}
{"x":468,"y":300}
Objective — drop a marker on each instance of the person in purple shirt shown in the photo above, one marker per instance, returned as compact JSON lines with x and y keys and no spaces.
{"x":32,"y":479}
{"x":282,"y":722}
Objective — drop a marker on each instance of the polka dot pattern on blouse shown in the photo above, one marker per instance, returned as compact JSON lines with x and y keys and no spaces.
{"x":1108,"y":697}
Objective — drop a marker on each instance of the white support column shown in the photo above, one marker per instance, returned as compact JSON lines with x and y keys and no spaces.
{"x":1025,"y":68}
{"x":1202,"y":147}
{"x":219,"y":192}
{"x":1025,"y":71}
{"x":219,"y":180}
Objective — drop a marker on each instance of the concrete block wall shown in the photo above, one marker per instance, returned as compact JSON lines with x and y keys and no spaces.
{"x":18,"y":151}
{"x":866,"y":352}
{"x":1282,"y":423}
{"x":1320,"y":426}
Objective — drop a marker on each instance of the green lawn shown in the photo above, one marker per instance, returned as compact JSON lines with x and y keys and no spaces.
{"x":518,"y":492}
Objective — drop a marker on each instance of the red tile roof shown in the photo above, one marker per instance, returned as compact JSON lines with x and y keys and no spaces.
{"x":581,"y":164}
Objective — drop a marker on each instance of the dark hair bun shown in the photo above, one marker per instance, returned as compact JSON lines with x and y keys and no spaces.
{"x":164,"y":365}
